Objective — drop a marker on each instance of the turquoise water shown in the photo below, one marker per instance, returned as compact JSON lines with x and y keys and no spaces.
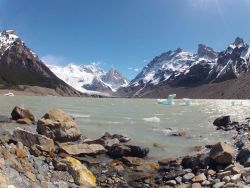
{"x":145,"y":121}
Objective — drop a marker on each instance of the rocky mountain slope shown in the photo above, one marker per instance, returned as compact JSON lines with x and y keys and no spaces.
{"x":20,"y":66}
{"x":205,"y":74}
{"x":90,"y":78}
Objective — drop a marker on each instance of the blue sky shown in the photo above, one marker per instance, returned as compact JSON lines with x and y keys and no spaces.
{"x":125,"y":34}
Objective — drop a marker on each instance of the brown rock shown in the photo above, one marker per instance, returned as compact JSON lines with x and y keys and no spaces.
{"x":29,"y":139}
{"x":168,"y":161}
{"x":78,"y":149}
{"x":181,"y":132}
{"x":24,"y":121}
{"x":20,"y":113}
{"x":59,"y":126}
{"x":199,"y":178}
{"x":211,"y":172}
{"x":31,"y":176}
{"x":60,"y":166}
{"x":138,"y":176}
{"x":21,"y":153}
{"x":222,"y":153}
{"x":35,"y":151}
{"x":220,"y":175}
{"x":196,"y":185}
{"x":132,"y":161}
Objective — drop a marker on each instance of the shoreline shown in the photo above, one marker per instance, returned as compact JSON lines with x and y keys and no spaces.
{"x":47,"y":158}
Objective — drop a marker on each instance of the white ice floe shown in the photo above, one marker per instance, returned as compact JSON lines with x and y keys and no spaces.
{"x":152,"y":119}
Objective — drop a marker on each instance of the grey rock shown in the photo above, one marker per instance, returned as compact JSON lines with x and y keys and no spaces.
{"x":188,"y":177}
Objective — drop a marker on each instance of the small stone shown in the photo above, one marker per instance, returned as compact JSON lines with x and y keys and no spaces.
{"x":211,"y":172}
{"x":226,"y":179}
{"x":3,"y":181}
{"x":181,"y":132}
{"x":132,"y":161}
{"x":235,"y":178}
{"x":31,"y":176}
{"x":178,"y":179}
{"x":236,"y":170}
{"x":21,"y":153}
{"x":219,"y":184}
{"x":223,"y":174}
{"x":232,"y":185}
{"x":2,"y":162}
{"x":59,"y":166}
{"x":206,"y":183}
{"x":171,"y":182}
{"x":199,"y":178}
{"x":19,"y":145}
{"x":196,"y":185}
{"x":188,"y":177}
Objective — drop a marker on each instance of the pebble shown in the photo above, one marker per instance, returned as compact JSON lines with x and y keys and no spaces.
{"x":178,"y":179}
{"x":219,"y":184}
{"x":171,"y":182}
{"x":226,"y":179}
{"x":235,"y":178}
{"x":196,"y":185}
{"x":188,"y":177}
{"x":223,"y":174}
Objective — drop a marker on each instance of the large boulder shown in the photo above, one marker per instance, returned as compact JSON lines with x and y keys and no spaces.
{"x":196,"y":161}
{"x":222,"y":121}
{"x":21,"y":113}
{"x":59,"y":126}
{"x":82,"y":176}
{"x":222,"y":153}
{"x":120,"y":150}
{"x":29,"y":139}
{"x":81,"y":149}
{"x":243,"y":155}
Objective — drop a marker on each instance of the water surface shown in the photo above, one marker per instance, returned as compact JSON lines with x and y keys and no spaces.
{"x":145,"y":121}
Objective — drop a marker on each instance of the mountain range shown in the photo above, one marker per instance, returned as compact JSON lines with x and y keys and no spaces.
{"x":204,"y":74}
{"x":90,"y":78}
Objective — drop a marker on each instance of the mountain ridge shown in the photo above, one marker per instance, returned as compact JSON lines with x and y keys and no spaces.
{"x":90,"y":78}
{"x":19,"y":65}
{"x":181,"y":69}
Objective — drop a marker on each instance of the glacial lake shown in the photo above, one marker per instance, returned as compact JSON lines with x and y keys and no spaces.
{"x":143,"y":120}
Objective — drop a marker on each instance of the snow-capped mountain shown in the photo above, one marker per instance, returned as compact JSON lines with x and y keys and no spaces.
{"x":20,"y":67}
{"x":115,"y":79}
{"x":172,"y":64}
{"x":90,"y":78}
{"x":175,"y":69}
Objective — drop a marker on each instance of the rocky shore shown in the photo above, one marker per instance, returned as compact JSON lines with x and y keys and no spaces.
{"x":58,"y":155}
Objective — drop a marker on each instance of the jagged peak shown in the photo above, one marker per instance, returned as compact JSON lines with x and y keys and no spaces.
{"x":238,"y":43}
{"x":205,"y":51}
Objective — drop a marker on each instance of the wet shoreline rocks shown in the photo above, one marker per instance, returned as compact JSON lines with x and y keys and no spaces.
{"x":58,"y":155}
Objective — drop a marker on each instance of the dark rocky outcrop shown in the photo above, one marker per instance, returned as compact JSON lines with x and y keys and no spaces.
{"x":20,"y":113}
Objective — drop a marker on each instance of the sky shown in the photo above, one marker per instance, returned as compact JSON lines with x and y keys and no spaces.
{"x":124,"y":34}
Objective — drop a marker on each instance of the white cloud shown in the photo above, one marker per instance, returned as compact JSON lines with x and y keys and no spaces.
{"x":53,"y":60}
{"x":134,"y":69}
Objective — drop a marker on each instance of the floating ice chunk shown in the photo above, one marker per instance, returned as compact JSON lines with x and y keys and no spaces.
{"x":187,"y":102}
{"x":168,"y":101}
{"x":152,"y":119}
{"x":79,"y":115}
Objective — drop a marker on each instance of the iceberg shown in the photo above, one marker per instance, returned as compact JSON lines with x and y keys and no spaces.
{"x":168,"y":101}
